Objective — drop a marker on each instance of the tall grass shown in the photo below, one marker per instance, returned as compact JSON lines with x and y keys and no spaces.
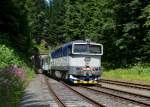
{"x":14,"y":73}
{"x":11,"y":90}
{"x":136,"y":73}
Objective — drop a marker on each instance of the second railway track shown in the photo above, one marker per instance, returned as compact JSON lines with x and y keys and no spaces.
{"x":139,"y":99}
{"x":127,"y":84}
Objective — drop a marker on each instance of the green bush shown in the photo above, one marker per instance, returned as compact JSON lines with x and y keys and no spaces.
{"x":11,"y":83}
{"x":11,"y":90}
{"x":8,"y":57}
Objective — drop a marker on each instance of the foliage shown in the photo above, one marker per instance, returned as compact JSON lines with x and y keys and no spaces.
{"x":8,"y":57}
{"x":145,"y":50}
{"x":37,"y":17}
{"x":117,"y":24}
{"x":43,"y":47}
{"x":12,"y":78}
{"x":146,"y":15}
{"x":122,"y":26}
{"x":14,"y":23}
{"x":11,"y":90}
{"x":56,"y":19}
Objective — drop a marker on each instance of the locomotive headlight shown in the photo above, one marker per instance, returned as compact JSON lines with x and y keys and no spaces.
{"x":96,"y":79}
{"x":72,"y":77}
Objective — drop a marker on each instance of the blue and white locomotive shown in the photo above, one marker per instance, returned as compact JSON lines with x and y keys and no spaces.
{"x":78,"y":62}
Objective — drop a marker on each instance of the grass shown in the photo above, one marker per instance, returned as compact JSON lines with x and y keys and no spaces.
{"x":136,"y":73}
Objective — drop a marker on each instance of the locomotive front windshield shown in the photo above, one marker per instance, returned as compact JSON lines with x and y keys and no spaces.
{"x":87,"y":49}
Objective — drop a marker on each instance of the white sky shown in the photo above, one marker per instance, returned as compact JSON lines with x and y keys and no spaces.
{"x":47,"y":1}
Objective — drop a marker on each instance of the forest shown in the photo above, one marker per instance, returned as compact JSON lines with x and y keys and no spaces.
{"x":122,"y":26}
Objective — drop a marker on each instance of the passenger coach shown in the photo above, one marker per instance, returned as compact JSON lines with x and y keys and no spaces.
{"x":78,"y":62}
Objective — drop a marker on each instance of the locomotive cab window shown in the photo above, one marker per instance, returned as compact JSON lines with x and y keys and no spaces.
{"x":95,"y":49}
{"x":87,"y":49}
{"x":80,"y":48}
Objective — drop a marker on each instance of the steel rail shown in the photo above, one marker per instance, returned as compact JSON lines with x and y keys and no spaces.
{"x":128,"y":84}
{"x":129,"y":99}
{"x":140,"y":95}
{"x":59,"y":101}
{"x":85,"y":97}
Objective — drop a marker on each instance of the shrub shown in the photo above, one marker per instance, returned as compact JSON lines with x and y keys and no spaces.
{"x":8,"y":57}
{"x":13,"y":74}
{"x":11,"y":89}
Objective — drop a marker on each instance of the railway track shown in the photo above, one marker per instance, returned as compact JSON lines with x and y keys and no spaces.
{"x":135,"y":98}
{"x":66,"y":96}
{"x":127,"y":84}
{"x":93,"y":96}
{"x":59,"y":102}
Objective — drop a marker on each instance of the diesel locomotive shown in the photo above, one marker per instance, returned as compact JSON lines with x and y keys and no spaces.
{"x":77,"y":62}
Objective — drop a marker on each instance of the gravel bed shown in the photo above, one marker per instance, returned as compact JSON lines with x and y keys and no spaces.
{"x":107,"y":100}
{"x":125,"y":95}
{"x":68,"y":96}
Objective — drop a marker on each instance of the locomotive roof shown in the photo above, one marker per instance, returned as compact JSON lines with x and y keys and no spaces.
{"x":63,"y":47}
{"x":76,"y":41}
{"x":70,"y":43}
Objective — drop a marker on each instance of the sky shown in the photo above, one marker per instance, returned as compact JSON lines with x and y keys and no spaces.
{"x":47,"y":1}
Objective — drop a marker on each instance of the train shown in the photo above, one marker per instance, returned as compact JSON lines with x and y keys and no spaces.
{"x":78,"y":62}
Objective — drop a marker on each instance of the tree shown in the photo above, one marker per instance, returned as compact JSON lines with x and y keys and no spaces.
{"x":14,"y":23}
